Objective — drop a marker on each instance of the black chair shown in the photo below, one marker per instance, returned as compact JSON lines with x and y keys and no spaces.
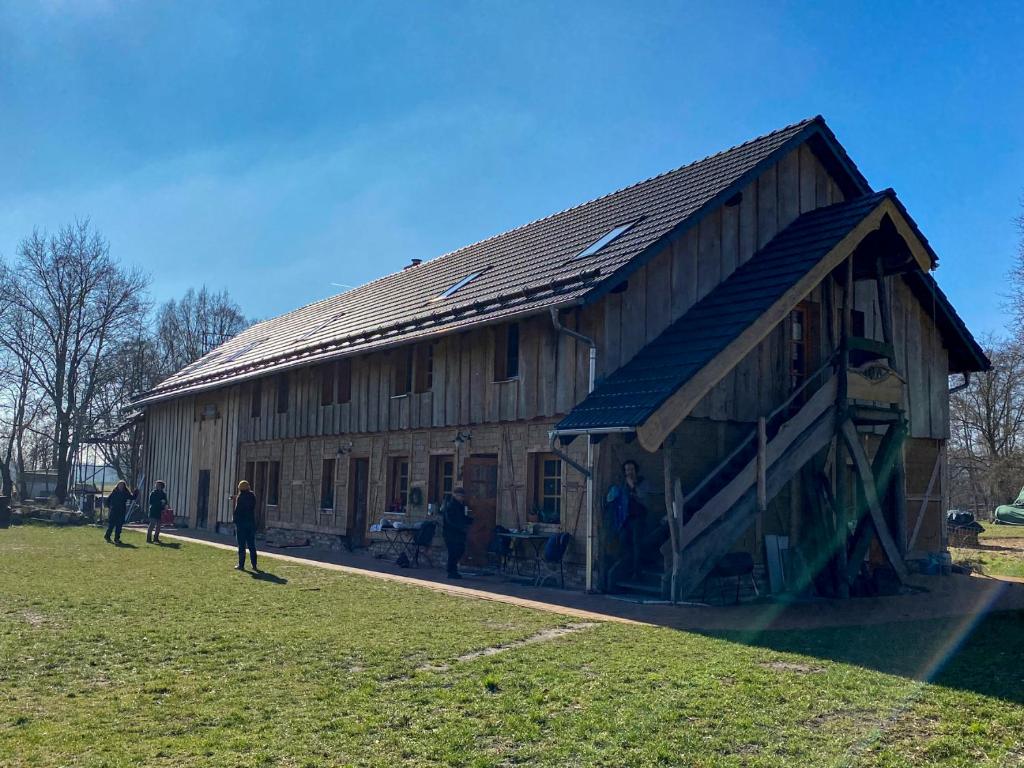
{"x":422,"y":541}
{"x":554,"y":554}
{"x":733,"y":565}
{"x":500,"y":548}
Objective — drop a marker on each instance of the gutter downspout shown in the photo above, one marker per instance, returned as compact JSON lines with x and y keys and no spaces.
{"x":963,"y":385}
{"x":589,"y":471}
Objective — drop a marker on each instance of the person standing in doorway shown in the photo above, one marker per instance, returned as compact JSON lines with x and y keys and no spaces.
{"x":117,"y":507}
{"x":630,"y":513}
{"x":245,"y":525}
{"x":456,"y":527}
{"x":157,"y":505}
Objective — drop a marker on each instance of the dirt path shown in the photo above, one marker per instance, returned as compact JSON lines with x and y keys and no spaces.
{"x":952,"y":596}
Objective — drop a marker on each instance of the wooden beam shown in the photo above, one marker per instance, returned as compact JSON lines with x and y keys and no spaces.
{"x":867,"y":480}
{"x":762,"y":465}
{"x":671,"y":512}
{"x":678,"y":406}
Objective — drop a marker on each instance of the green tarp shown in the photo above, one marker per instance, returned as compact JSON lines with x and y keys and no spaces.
{"x":1011,"y":514}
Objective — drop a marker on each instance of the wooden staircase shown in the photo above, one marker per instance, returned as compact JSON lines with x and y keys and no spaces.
{"x":721,"y":508}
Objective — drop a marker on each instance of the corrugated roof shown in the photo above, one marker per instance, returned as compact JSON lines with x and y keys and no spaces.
{"x":631,"y":394}
{"x":524,"y":270}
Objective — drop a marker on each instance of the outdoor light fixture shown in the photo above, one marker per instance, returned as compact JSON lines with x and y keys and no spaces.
{"x":462,"y":437}
{"x":345,"y":448}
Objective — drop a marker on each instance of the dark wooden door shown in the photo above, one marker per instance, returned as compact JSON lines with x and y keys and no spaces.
{"x":260,"y":489}
{"x":359,"y":491}
{"x":480,"y":479}
{"x":203,"y":499}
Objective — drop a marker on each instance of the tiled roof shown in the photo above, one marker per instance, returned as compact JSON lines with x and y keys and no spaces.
{"x":628,"y":397}
{"x":523,"y":270}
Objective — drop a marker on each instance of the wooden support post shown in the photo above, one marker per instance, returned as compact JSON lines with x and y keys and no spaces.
{"x":867,"y":480}
{"x":674,"y":521}
{"x":762,"y":465}
{"x":842,"y":475}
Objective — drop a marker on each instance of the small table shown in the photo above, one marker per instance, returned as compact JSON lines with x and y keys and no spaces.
{"x":397,"y":539}
{"x":536,"y":540}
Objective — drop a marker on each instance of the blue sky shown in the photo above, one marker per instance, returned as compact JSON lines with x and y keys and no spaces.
{"x":280,"y":149}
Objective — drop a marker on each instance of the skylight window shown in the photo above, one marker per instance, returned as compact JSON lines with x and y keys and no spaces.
{"x":461,"y":284}
{"x":243,"y":349}
{"x":605,"y":239}
{"x":321,"y":325}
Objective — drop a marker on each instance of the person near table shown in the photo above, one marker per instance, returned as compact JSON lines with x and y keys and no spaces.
{"x":456,"y":524}
{"x":245,"y":525}
{"x":157,"y":505}
{"x":117,"y":506}
{"x":629,"y":513}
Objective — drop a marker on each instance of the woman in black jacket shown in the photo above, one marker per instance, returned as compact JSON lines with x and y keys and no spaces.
{"x":245,"y":525}
{"x":117,"y":506}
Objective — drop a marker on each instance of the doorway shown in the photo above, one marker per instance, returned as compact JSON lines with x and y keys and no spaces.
{"x":480,"y":481}
{"x":359,"y":491}
{"x":203,"y":499}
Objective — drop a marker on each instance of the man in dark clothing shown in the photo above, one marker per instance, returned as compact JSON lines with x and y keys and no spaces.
{"x":456,"y":526}
{"x":157,"y":505}
{"x":629,"y":512}
{"x":245,"y":525}
{"x":117,"y":506}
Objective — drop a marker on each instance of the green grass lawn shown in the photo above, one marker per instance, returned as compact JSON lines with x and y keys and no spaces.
{"x":168,"y":657}
{"x":1001,"y":552}
{"x":993,"y":531}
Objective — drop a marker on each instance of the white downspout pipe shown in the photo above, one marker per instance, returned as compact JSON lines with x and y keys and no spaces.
{"x":590,"y":446}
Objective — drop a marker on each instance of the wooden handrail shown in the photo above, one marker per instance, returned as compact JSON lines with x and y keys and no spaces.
{"x":753,"y":435}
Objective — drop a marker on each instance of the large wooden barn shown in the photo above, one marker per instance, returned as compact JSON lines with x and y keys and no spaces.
{"x":760,"y":330}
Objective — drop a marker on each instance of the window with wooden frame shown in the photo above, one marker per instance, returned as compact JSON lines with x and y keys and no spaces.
{"x":282,"y":392}
{"x":273,"y":483}
{"x":327,"y":486}
{"x":256,"y":398}
{"x":442,"y":479}
{"x":506,"y":352}
{"x":398,"y":483}
{"x":424,"y":367}
{"x":546,"y":482}
{"x":402,"y":380}
{"x":336,"y":382}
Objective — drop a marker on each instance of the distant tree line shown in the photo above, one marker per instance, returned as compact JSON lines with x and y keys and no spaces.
{"x":79,"y":340}
{"x":986,"y":448}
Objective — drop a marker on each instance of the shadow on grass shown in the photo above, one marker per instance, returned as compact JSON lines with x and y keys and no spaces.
{"x":168,"y":544}
{"x":984,"y":657}
{"x":124,"y":545}
{"x":267,"y":576}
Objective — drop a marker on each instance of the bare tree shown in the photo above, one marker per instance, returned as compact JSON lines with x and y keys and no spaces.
{"x":82,"y":305}
{"x":1015,"y":299}
{"x":193,"y":325}
{"x":986,"y":448}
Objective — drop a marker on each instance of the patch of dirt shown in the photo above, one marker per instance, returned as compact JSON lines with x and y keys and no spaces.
{"x":543,"y":636}
{"x":792,"y":666}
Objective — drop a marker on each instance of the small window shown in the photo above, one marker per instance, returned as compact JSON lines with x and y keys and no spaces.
{"x":402,"y":384}
{"x":273,"y":483}
{"x":399,"y":484}
{"x":460,"y":284}
{"x":256,"y":398}
{"x":547,"y":487}
{"x":250,"y":475}
{"x":328,"y":383}
{"x":344,"y":394}
{"x":858,"y":321}
{"x":442,"y":479}
{"x":604,"y":240}
{"x":327,"y":486}
{"x":506,"y":352}
{"x":424,"y":367}
{"x":282,"y":393}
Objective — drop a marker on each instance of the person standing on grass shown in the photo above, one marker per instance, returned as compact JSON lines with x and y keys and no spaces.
{"x":629,"y":512}
{"x":117,"y":506}
{"x":456,"y":527}
{"x":245,"y":525}
{"x":157,"y":505}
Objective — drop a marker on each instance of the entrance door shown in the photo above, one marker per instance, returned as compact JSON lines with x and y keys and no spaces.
{"x":480,"y":480}
{"x":203,"y":499}
{"x":359,"y":492}
{"x":260,"y":489}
